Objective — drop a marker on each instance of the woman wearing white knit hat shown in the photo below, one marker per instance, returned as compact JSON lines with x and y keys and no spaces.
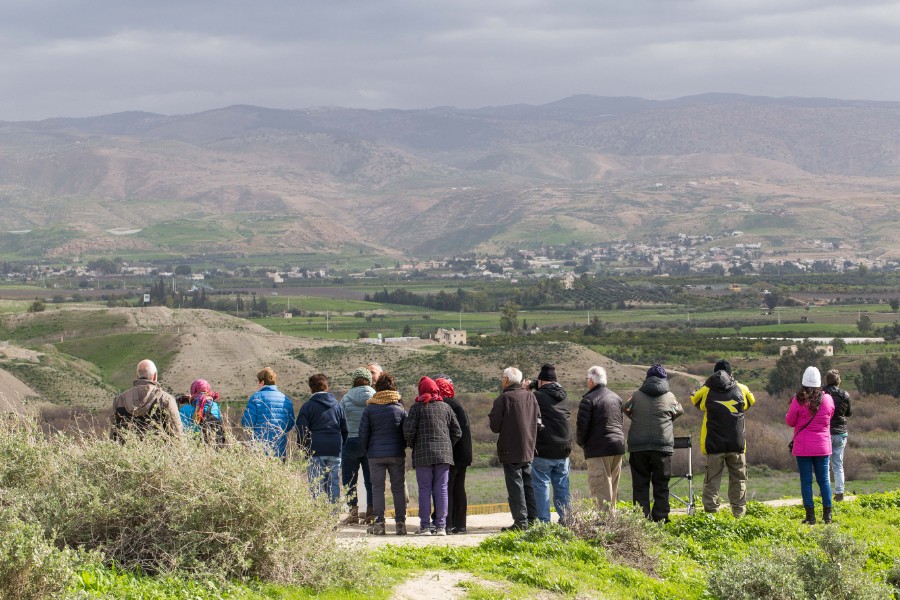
{"x":810,"y":416}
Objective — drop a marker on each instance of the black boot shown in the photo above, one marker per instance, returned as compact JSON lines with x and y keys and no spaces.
{"x":810,"y":515}
{"x":826,"y":514}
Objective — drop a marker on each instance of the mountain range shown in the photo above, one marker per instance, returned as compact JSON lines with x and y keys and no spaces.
{"x":255,"y":181}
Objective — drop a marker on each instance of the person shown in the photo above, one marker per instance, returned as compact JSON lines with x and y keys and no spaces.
{"x":550,"y":466}
{"x":184,"y":402}
{"x":145,"y":406}
{"x":269,"y":415}
{"x":431,"y":430}
{"x":321,"y":433}
{"x":375,"y":371}
{"x":723,"y":438}
{"x":352,"y":455}
{"x":810,"y":415}
{"x":600,"y":431}
{"x":842,"y":411}
{"x":203,"y":414}
{"x":651,"y":442}
{"x":514,"y":415}
{"x":381,"y":439}
{"x":457,"y":501}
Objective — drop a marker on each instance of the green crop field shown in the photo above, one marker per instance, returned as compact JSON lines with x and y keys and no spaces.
{"x":116,"y":355}
{"x":56,"y":323}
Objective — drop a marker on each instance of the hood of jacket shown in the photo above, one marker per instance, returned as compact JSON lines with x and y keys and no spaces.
{"x":554,"y":391}
{"x":655,"y":386}
{"x":359,"y":395}
{"x":139,"y":399}
{"x":326,"y":399}
{"x":721,"y":381}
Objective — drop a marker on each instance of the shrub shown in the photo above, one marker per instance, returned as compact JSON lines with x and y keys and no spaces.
{"x":160,"y":505}
{"x":630,"y":539}
{"x":834,"y":570}
{"x":30,"y":566}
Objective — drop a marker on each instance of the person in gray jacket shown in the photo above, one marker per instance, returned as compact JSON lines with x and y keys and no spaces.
{"x":651,"y":442}
{"x":353,"y":455}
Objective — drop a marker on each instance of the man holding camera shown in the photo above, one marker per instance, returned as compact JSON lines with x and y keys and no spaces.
{"x":550,"y":467}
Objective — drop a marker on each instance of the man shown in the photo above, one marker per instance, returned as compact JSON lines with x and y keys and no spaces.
{"x":842,"y":411}
{"x":723,"y":438}
{"x":600,"y":431}
{"x":514,"y":416}
{"x":651,"y":442}
{"x":550,"y":467}
{"x":375,"y":371}
{"x":146,"y":405}
{"x":269,"y":415}
{"x":321,"y":432}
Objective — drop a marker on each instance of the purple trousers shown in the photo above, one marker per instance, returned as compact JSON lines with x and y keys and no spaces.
{"x":432,"y":480}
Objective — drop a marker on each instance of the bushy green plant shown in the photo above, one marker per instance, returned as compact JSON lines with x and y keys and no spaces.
{"x":30,"y":566}
{"x":833,"y":570}
{"x":159,"y":504}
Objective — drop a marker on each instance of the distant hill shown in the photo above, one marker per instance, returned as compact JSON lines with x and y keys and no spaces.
{"x":245,"y":179}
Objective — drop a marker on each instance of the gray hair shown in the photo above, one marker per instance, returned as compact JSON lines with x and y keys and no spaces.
{"x":146,"y":369}
{"x":597,"y":375}
{"x":512,"y":374}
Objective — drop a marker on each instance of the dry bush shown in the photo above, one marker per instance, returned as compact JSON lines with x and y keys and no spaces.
{"x":163,"y":504}
{"x":630,"y":538}
{"x":767,"y":445}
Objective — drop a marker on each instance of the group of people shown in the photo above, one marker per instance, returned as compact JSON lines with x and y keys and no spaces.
{"x":369,"y":430}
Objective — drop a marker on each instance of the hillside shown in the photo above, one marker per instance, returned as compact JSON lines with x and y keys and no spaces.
{"x":86,"y":366}
{"x":251,"y":180}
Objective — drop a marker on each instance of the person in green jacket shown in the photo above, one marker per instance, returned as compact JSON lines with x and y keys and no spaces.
{"x":651,"y":442}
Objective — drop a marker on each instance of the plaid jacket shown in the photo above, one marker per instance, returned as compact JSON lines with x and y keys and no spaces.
{"x":431,"y":430}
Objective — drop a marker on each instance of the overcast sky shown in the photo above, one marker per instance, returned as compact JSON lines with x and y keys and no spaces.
{"x":91,"y":57}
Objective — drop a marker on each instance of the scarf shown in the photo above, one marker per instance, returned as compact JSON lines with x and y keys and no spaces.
{"x":385,"y":397}
{"x":201,"y":399}
{"x":428,"y":391}
{"x":446,"y":387}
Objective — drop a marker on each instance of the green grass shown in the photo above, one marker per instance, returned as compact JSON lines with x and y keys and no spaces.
{"x":55,"y":323}
{"x":187,"y":233}
{"x":115,"y":356}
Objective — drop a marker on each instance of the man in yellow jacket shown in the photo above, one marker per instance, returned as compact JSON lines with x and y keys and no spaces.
{"x":723,"y":438}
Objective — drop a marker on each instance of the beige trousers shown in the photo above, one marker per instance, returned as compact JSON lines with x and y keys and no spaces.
{"x":603,"y":478}
{"x":736,"y":463}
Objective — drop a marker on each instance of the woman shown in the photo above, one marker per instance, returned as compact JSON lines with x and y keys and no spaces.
{"x":202,"y":414}
{"x":458,"y":502}
{"x":842,"y":411}
{"x":810,"y":416}
{"x":431,"y":430}
{"x":381,"y":438}
{"x":352,"y":455}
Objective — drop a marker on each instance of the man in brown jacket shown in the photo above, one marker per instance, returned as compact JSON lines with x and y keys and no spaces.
{"x":146,"y":405}
{"x":515,"y":417}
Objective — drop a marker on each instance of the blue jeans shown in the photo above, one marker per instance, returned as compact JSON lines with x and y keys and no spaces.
{"x":547,"y":472}
{"x":324,"y":474}
{"x":838,"y":444}
{"x":818,"y":465}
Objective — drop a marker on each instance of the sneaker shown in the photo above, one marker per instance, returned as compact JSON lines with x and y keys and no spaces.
{"x":376,"y":528}
{"x":514,"y":527}
{"x":424,"y":531}
{"x":440,"y":531}
{"x":458,"y":531}
{"x":401,"y":528}
{"x":839,"y":497}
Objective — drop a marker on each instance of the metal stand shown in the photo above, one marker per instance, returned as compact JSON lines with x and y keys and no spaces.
{"x":682,"y":443}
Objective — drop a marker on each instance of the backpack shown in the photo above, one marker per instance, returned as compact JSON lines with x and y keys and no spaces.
{"x":125,"y":420}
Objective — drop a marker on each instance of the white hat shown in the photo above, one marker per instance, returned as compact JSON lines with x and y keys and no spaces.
{"x":812,"y":378}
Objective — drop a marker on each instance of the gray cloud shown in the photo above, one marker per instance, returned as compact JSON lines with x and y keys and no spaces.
{"x":80,"y":57}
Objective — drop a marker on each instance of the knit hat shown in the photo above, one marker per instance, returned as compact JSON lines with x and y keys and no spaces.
{"x":548,"y":373}
{"x":656,"y":371}
{"x":445,"y":385}
{"x":723,"y":365}
{"x":812,"y":378}
{"x":833,"y":377}
{"x":361,"y":372}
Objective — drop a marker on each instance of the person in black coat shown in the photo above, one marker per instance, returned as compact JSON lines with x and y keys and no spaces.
{"x":842,"y":411}
{"x":550,"y":467}
{"x":458,"y":502}
{"x":600,"y":431}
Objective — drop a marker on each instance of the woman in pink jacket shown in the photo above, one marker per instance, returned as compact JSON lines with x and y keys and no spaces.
{"x":810,"y":416}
